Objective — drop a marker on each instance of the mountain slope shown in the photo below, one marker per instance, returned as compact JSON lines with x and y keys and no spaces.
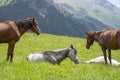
{"x":61,"y":17}
{"x":107,"y":4}
{"x":108,"y":17}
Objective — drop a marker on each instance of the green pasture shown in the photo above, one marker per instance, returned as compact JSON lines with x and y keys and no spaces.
{"x":21,"y":69}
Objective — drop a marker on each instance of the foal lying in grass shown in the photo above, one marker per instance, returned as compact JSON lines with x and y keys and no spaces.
{"x":55,"y":56}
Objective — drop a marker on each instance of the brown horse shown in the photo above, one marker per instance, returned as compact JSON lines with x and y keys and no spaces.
{"x":108,"y":39}
{"x":11,"y":31}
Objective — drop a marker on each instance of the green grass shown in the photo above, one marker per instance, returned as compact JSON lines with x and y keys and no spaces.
{"x":20,"y":69}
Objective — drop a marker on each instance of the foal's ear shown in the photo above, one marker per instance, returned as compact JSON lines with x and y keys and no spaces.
{"x":71,"y":46}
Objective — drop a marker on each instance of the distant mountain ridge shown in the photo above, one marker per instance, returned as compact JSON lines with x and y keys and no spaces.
{"x":104,"y":3}
{"x":107,"y":4}
{"x":69,"y":18}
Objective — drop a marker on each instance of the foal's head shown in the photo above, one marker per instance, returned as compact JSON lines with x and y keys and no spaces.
{"x":34,"y":27}
{"x":90,"y":39}
{"x":73,"y":55}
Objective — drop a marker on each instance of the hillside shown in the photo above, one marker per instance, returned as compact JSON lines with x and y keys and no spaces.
{"x":107,"y":5}
{"x":99,"y":12}
{"x":21,"y":69}
{"x":62,"y":18}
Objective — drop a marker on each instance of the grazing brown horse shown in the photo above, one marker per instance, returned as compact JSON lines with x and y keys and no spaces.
{"x":11,"y":31}
{"x":108,"y":39}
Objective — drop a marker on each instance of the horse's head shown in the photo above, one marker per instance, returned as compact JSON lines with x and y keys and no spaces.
{"x":90,"y":39}
{"x":73,"y":55}
{"x":34,"y":27}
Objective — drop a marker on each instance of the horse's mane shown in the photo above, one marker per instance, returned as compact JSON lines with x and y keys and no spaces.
{"x":24,"y":23}
{"x":61,"y":51}
{"x":58,"y":51}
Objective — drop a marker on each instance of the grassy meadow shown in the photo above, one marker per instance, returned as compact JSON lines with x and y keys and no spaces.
{"x":21,"y":69}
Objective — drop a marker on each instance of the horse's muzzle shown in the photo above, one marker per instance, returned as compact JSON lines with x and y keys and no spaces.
{"x":76,"y":61}
{"x":38,"y":33}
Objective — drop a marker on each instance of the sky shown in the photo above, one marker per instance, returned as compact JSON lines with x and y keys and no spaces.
{"x":115,"y":2}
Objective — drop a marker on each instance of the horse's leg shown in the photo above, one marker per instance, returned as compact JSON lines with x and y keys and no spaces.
{"x":104,"y":53}
{"x":8,"y":54}
{"x":109,"y":55}
{"x":10,"y":50}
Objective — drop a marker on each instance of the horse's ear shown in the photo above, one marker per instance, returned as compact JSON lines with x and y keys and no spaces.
{"x":71,"y":46}
{"x":33,"y":19}
{"x":86,"y":33}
